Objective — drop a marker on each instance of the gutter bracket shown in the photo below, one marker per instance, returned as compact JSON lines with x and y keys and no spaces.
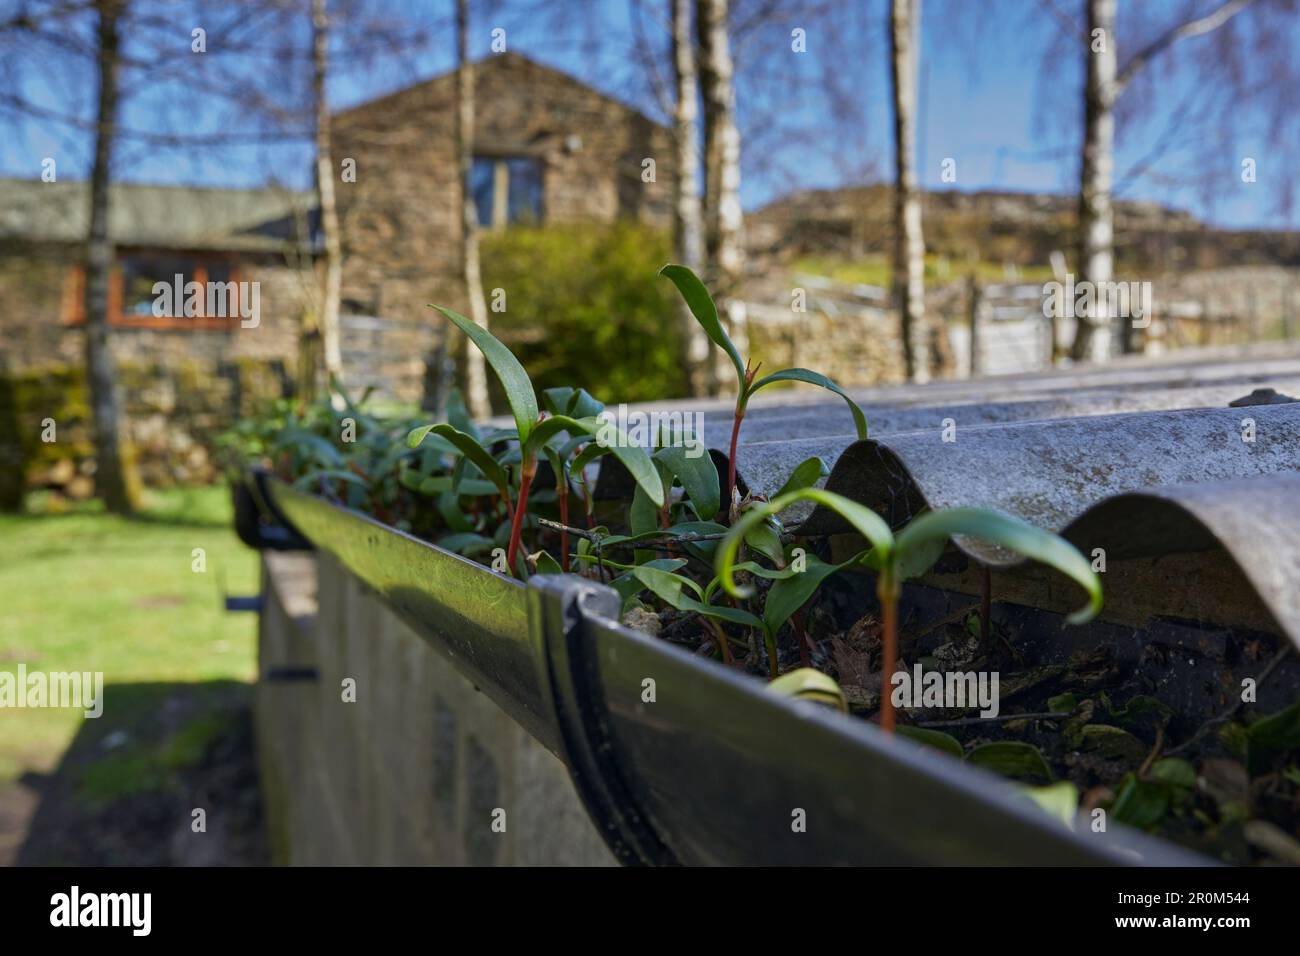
{"x":558,"y":609}
{"x":258,"y":522}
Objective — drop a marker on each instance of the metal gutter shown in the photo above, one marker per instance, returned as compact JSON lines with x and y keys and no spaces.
{"x":478,"y":620}
{"x":715,"y":768}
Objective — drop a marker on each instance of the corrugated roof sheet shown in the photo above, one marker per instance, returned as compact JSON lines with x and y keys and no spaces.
{"x":1143,"y":456}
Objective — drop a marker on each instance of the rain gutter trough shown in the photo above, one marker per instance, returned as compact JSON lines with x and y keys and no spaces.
{"x":716,"y":769}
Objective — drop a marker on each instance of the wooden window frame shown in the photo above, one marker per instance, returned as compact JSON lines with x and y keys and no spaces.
{"x":500,"y":159}
{"x":74,"y":299}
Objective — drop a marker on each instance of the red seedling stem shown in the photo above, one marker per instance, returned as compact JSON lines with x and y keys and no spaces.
{"x":563,"y":489}
{"x":526,"y":472}
{"x":889,"y":650}
{"x":731,"y":460}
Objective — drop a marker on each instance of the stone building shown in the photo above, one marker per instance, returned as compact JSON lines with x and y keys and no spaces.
{"x":547,"y":149}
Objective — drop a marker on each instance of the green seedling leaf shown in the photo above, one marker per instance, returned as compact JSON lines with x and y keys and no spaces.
{"x":1175,"y":772}
{"x":765,"y":539}
{"x":815,"y":378}
{"x":793,"y":590}
{"x":587,"y":456}
{"x":632,"y":456}
{"x":1060,"y":800}
{"x":628,"y":585}
{"x":468,"y":446}
{"x":672,"y":590}
{"x":1012,"y":533}
{"x":410,"y":479}
{"x":317,"y":448}
{"x":1062,"y":703}
{"x":914,"y":561}
{"x":698,"y":476}
{"x":932,"y":738}
{"x":865,"y":521}
{"x":806,"y":683}
{"x":668,"y":587}
{"x":1111,"y":743}
{"x":546,"y":564}
{"x":642,"y":516}
{"x":701,"y":305}
{"x":806,"y":474}
{"x":513,"y":378}
{"x":573,"y":402}
{"x":1011,"y":758}
{"x":449,"y":508}
{"x":437,"y":484}
{"x":1271,"y":736}
{"x":1140,"y":803}
{"x":722,"y":612}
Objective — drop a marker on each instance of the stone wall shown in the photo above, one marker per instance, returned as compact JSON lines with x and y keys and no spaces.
{"x":416,"y":769}
{"x":851,"y":347}
{"x":172,"y":415}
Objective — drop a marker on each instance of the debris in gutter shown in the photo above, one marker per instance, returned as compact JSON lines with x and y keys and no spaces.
{"x":1262,"y":396}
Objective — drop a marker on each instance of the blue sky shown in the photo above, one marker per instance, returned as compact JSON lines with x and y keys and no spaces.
{"x":1000,"y":94}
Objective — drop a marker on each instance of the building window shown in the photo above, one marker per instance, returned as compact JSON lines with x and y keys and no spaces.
{"x":131,"y":295}
{"x":506,"y":189}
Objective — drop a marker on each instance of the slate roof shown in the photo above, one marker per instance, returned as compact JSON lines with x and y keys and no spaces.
{"x":172,"y":217}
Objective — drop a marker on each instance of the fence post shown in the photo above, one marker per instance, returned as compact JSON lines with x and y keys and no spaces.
{"x":973,"y":316}
{"x":1286,"y":309}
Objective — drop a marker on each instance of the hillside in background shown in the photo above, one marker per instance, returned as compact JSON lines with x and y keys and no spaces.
{"x":1020,"y":229}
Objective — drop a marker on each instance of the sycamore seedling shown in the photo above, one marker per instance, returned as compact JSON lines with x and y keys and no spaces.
{"x":910,"y":553}
{"x":705,"y":311}
{"x":534,"y":433}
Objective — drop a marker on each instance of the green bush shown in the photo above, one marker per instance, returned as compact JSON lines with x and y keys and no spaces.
{"x":583,"y":304}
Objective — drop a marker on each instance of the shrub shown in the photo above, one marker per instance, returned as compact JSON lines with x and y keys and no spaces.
{"x":583,"y":305}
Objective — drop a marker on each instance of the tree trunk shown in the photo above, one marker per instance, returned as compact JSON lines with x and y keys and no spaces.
{"x":723,"y":219}
{"x":688,"y":240}
{"x":476,"y":386}
{"x":909,"y":244}
{"x":329,"y":215}
{"x":111,"y":480}
{"x":1096,"y":223}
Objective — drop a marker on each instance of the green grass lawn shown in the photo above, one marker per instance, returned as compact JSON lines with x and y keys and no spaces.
{"x":86,"y":591}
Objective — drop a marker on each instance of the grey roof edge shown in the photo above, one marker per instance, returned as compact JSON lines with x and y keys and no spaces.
{"x":1256,"y":521}
{"x":1246,"y":502}
{"x":1043,"y":471}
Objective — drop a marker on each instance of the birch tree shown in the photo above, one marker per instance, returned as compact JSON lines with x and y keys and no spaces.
{"x":332,"y":269}
{"x":476,"y":387}
{"x":909,"y":244}
{"x":723,"y":218}
{"x":688,"y":240}
{"x":1104,"y":85}
{"x":111,"y":482}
